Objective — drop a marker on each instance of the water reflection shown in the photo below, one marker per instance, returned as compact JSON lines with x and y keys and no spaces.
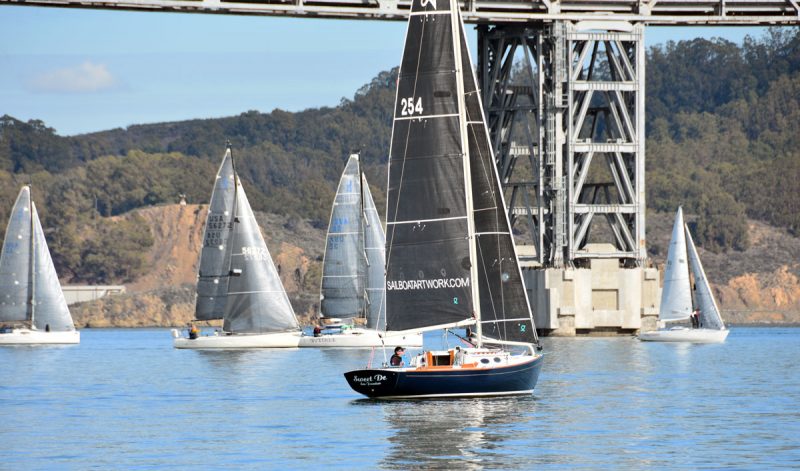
{"x":448,"y":434}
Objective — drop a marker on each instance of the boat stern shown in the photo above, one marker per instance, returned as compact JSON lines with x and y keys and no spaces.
{"x":372,"y":382}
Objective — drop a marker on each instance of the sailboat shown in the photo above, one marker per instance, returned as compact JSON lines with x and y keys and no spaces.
{"x":237,"y":280}
{"x":32,"y":306}
{"x":352,"y":291}
{"x":676,"y":296}
{"x":450,"y":255}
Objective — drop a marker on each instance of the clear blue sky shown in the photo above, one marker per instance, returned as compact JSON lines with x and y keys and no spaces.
{"x":89,"y":70}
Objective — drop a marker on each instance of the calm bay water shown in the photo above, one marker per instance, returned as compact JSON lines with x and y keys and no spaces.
{"x":127,"y":399}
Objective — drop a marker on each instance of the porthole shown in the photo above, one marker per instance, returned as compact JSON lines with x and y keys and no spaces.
{"x":485,"y":361}
{"x":497,"y":359}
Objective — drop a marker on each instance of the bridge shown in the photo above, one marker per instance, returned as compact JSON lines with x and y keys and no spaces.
{"x":651,"y":12}
{"x":563,"y":85}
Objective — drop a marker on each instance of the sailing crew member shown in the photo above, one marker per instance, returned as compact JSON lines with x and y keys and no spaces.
{"x":397,"y":358}
{"x":695,"y":318}
{"x":317,"y":331}
{"x":194,"y":332}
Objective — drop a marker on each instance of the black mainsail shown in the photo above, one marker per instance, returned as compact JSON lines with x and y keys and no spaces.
{"x":450,"y":256}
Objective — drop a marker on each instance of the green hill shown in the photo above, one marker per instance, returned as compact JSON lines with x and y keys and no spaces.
{"x":723,"y":141}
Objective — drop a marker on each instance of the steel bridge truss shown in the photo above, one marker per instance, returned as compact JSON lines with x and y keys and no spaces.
{"x":565,"y":108}
{"x":660,"y":12}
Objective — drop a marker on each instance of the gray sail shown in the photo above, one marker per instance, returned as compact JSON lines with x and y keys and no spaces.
{"x":15,"y":262}
{"x":49,"y":308}
{"x":344,"y":265}
{"x":256,"y":301}
{"x":505,"y":313}
{"x":375,"y":247}
{"x":704,"y":299}
{"x":428,"y":267}
{"x":212,"y":277}
{"x":676,"y":295}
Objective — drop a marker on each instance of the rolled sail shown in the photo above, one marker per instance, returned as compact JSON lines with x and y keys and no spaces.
{"x":428,"y":258}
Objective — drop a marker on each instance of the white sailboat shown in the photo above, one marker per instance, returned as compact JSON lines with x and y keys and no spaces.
{"x":450,"y":256}
{"x":352,"y":292}
{"x":237,"y":280}
{"x":676,"y":295}
{"x":32,"y":305}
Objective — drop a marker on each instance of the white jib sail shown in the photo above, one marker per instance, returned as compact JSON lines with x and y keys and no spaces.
{"x":676,"y":296}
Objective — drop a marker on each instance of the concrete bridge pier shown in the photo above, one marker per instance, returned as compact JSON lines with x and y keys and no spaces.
{"x":564,"y":101}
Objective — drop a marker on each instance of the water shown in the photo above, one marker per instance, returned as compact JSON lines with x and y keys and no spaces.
{"x":127,"y":399}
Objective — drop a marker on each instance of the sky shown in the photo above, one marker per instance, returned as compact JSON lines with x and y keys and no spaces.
{"x":82,"y":71}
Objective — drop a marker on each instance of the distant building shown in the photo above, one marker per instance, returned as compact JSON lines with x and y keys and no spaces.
{"x":82,"y":293}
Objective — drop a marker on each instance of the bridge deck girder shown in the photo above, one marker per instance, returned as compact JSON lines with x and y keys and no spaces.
{"x":652,"y":12}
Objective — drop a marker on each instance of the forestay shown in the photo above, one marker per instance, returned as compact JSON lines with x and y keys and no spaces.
{"x":504,"y":309}
{"x":212,"y":281}
{"x":256,"y":301}
{"x":15,"y":262}
{"x":344,"y":266}
{"x":676,"y":296}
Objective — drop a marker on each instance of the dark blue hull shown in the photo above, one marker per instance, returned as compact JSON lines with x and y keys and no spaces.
{"x":400,"y":383}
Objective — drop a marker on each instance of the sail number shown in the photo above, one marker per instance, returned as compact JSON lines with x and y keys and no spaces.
{"x":410,"y":107}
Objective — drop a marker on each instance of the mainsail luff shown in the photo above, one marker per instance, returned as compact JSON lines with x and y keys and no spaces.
{"x":15,"y":267}
{"x":48,"y":305}
{"x":256,"y":302}
{"x":704,"y":298}
{"x":214,"y":266}
{"x":375,"y":248}
{"x":428,"y":269}
{"x":344,"y":264}
{"x":676,"y":296}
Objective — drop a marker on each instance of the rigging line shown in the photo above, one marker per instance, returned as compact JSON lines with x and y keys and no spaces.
{"x":408,"y":132}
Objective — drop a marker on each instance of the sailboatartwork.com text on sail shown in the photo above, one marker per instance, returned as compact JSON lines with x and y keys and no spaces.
{"x":450,"y":256}
{"x":237,"y":279}
{"x":352,"y":291}
{"x":677,"y":302}
{"x":32,"y":305}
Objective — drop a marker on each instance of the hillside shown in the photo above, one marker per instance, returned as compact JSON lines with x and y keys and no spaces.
{"x":759,"y":285}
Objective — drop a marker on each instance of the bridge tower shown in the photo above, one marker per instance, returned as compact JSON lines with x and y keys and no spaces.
{"x":565,"y":106}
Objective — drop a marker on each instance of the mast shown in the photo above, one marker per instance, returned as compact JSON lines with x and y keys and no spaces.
{"x":462,"y":122}
{"x":234,"y":222}
{"x":32,"y":257}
